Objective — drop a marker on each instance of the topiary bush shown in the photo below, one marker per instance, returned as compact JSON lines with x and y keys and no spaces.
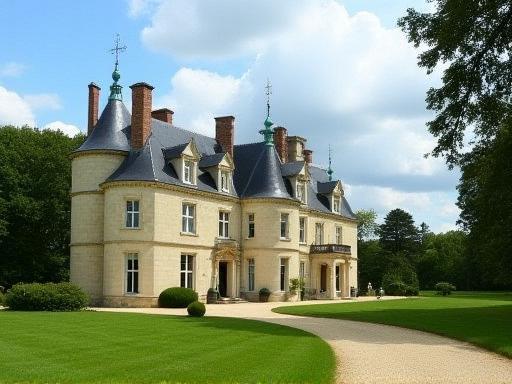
{"x":177,"y":297}
{"x":196,"y":309}
{"x":46,"y":297}
{"x":444,"y":288}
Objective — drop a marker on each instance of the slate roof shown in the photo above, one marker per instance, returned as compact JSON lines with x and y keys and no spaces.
{"x":326,"y":187}
{"x":258,"y":172}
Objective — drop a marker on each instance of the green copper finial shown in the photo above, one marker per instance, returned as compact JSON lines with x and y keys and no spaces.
{"x":267,"y":132}
{"x":329,"y":170}
{"x":115,"y":88}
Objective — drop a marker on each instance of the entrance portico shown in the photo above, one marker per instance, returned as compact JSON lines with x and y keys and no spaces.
{"x":330,"y":268}
{"x":226,"y":268}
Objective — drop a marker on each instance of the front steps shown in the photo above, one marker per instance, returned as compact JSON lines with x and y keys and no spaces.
{"x":230,"y":300}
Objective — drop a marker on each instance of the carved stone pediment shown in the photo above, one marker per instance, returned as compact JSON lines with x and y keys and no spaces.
{"x":227,"y":250}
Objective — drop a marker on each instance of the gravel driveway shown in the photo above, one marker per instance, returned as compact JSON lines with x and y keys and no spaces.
{"x":372,"y":353}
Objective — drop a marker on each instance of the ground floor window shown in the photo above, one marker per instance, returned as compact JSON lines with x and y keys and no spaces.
{"x":251,"y":274}
{"x":302,"y":270}
{"x":132,"y":273}
{"x":187,"y":271}
{"x":283,"y":271}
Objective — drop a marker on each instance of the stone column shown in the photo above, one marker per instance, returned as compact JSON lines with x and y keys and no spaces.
{"x":346,"y":284}
{"x":233,"y":279}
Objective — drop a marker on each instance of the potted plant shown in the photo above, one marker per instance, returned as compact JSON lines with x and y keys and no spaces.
{"x":264,"y":294}
{"x":296,"y":285}
{"x":212,"y":296}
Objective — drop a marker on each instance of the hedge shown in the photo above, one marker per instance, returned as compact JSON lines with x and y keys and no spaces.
{"x":46,"y":297}
{"x":177,"y":297}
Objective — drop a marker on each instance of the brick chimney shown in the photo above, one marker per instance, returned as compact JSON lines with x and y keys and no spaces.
{"x":163,"y":114}
{"x":141,"y":114}
{"x":280,"y":135}
{"x":92,"y":113}
{"x":225,"y":133}
{"x":308,"y":156}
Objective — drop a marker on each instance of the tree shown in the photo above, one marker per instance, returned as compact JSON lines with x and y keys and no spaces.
{"x":473,"y":38}
{"x":485,"y":200}
{"x":367,"y":227}
{"x":398,"y":233}
{"x":35,"y":180}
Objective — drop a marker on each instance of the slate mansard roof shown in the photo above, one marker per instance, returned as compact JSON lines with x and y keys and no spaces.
{"x":258,"y":172}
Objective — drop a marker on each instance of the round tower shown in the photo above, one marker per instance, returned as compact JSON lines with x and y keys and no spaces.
{"x":99,"y":156}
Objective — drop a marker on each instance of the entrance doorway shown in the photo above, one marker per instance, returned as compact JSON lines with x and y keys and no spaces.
{"x":223,"y":279}
{"x":323,"y":278}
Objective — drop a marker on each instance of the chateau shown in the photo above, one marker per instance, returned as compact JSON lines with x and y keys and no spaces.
{"x":157,"y":206}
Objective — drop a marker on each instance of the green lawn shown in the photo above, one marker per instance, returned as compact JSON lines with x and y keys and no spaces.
{"x":99,"y":347}
{"x":484,"y":319}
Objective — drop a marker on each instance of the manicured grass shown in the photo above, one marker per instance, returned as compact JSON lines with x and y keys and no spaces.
{"x":484,"y":319}
{"x":99,"y":347}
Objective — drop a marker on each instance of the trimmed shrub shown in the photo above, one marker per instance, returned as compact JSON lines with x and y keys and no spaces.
{"x":46,"y":297}
{"x":400,"y":280}
{"x":444,"y":288}
{"x":177,"y":297}
{"x":196,"y":309}
{"x":399,"y":288}
{"x":264,"y":294}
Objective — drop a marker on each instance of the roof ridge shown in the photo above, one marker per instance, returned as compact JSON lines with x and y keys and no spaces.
{"x":186,"y":130}
{"x":243,"y":145}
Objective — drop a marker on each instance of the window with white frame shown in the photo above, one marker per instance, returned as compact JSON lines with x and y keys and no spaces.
{"x":188,"y":171}
{"x":224,"y":181}
{"x":284,"y":225}
{"x":187,"y":271}
{"x":336,"y":205}
{"x":250,"y":271}
{"x":250,"y":229}
{"x":224,"y":224}
{"x":302,"y":230}
{"x":319,"y":233}
{"x":283,"y":271}
{"x":188,"y":218}
{"x":132,"y":214}
{"x":132,"y":273}
{"x":339,"y":235}
{"x":302,"y":270}
{"x":301,"y":192}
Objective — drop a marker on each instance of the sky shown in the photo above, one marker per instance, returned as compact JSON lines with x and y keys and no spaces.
{"x":342,"y":75}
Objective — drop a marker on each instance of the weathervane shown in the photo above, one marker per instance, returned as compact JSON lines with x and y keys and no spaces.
{"x":267,"y":132}
{"x":115,"y":89}
{"x":329,"y":170}
{"x":268,"y":92}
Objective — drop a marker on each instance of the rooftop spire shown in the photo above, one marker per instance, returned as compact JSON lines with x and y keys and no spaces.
{"x":268,"y":134}
{"x":115,"y":88}
{"x":329,"y":170}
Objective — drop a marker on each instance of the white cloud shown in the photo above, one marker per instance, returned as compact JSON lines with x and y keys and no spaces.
{"x":43,"y":101}
{"x":137,"y":8}
{"x":14,"y":109}
{"x":12,"y":69}
{"x":68,"y":129}
{"x":338,"y":79}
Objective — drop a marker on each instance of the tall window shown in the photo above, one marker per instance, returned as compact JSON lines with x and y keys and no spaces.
{"x":337,"y":278}
{"x":188,"y":219}
{"x":282,"y":274}
{"x":301,"y":192}
{"x":339,"y":237}
{"x":132,"y":273}
{"x":224,"y":224}
{"x":251,"y":225}
{"x":302,"y":229}
{"x":224,"y":181}
{"x":132,"y":214}
{"x":284,"y":225}
{"x":250,"y":267}
{"x":187,"y":171}
{"x":336,"y":207}
{"x":302,"y":270}
{"x":187,"y":271}
{"x":319,"y":233}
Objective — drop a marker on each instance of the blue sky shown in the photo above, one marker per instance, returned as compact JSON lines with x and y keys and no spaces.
{"x":342,"y":74}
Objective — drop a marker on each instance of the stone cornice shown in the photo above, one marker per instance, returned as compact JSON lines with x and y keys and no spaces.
{"x":73,"y":194}
{"x":96,"y":152}
{"x":327,"y":215}
{"x":270,"y":200}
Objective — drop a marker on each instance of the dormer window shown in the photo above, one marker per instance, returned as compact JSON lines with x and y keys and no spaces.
{"x":224,"y":181}
{"x":187,"y":172}
{"x":336,"y":205}
{"x":301,"y":192}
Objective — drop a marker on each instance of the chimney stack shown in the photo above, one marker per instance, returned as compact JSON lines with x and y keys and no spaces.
{"x":225,"y":133}
{"x":92,"y":113}
{"x":296,"y":146}
{"x":308,"y":156}
{"x":280,"y":135}
{"x":141,"y":114}
{"x":163,"y":114}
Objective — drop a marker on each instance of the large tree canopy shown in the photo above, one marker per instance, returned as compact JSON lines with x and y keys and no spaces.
{"x":399,"y":234}
{"x":473,"y":38}
{"x":35,"y":180}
